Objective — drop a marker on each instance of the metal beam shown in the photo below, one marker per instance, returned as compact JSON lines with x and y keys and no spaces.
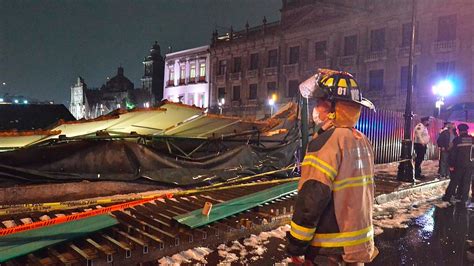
{"x":222,"y":210}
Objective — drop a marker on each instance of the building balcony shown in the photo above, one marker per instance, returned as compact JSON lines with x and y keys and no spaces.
{"x":221,"y":78}
{"x":445,"y":46}
{"x":202,"y":79}
{"x":290,"y":69}
{"x":182,"y":82}
{"x":236,"y":76}
{"x":236,"y":103}
{"x":376,"y":56}
{"x":252,"y":103}
{"x":170,"y":83}
{"x":326,"y":63}
{"x":404,"y":51}
{"x":270,"y":71}
{"x":252,"y":73}
{"x":348,"y":60}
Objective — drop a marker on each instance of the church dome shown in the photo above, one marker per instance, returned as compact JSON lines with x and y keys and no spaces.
{"x":119,"y":82}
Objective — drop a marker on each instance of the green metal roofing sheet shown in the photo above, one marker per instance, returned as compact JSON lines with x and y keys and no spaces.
{"x":225,"y":209}
{"x":15,"y":245}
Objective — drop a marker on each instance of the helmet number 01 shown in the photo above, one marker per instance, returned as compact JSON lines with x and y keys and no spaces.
{"x":341,"y":91}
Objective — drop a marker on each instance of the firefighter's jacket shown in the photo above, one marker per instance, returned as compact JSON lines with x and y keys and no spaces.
{"x":461,"y":155}
{"x":333,"y":211}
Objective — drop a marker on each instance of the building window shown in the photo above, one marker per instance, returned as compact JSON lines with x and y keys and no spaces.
{"x":294,"y":55}
{"x":404,"y":77}
{"x":253,"y":91}
{"x":271,"y":88}
{"x":236,"y":93}
{"x":406,"y":34}
{"x":377,"y":40}
{"x":182,"y":74}
{"x":171,"y":76}
{"x":293,"y":88}
{"x":220,"y":94}
{"x":350,"y":45}
{"x":320,"y":50}
{"x":202,"y":71}
{"x":222,"y":67}
{"x":447,"y":28}
{"x":273,"y":58}
{"x":445,"y":69}
{"x":376,"y":79}
{"x":253,"y":61}
{"x":192,"y":73}
{"x":237,"y":64}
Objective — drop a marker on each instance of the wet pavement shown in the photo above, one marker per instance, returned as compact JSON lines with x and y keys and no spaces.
{"x":436,"y":238}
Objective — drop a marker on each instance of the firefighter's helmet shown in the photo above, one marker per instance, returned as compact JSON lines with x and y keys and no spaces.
{"x":338,"y":86}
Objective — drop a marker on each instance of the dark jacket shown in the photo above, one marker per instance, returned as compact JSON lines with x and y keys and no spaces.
{"x":443,"y":139}
{"x":461,"y":152}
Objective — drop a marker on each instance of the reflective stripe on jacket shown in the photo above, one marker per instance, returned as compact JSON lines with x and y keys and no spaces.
{"x":335,"y":198}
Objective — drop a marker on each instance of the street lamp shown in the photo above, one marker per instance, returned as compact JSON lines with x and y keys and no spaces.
{"x":271,"y":102}
{"x":221,"y":103}
{"x":443,"y":89}
{"x":405,"y":168}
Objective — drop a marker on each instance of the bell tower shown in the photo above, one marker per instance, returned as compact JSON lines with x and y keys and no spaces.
{"x":153,"y":76}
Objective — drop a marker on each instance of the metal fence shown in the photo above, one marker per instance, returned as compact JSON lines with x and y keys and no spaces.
{"x":385,"y":130}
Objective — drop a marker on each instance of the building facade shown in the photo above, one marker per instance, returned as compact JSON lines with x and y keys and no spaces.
{"x":117,"y":93}
{"x":367,"y":38}
{"x":187,"y":76}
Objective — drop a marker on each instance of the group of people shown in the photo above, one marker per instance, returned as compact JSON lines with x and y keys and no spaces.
{"x":455,"y":160}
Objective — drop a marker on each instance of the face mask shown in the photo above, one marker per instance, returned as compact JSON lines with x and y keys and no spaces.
{"x":318,"y":122}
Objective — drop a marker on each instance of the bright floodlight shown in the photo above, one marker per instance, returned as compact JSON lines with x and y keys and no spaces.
{"x":271,"y":102}
{"x":443,"y":88}
{"x":25,"y":101}
{"x":1,"y":100}
{"x":15,"y":101}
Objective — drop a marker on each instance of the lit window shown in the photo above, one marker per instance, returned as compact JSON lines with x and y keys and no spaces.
{"x":202,"y":71}
{"x":182,"y":74}
{"x":192,"y":72}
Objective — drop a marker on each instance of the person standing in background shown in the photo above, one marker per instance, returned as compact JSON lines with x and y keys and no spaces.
{"x":444,"y":144}
{"x":462,"y":162}
{"x":422,"y":138}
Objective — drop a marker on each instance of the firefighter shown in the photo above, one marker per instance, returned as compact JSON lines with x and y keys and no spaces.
{"x":332,"y":221}
{"x":461,"y":160}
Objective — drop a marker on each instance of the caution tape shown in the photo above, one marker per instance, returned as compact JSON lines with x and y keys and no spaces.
{"x":77,"y":216}
{"x":52,"y":206}
{"x":117,"y":207}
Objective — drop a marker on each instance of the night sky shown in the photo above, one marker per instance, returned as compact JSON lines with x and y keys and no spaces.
{"x":45,"y":45}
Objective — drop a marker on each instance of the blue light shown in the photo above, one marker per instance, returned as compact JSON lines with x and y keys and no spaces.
{"x":25,"y":101}
{"x":443,"y":88}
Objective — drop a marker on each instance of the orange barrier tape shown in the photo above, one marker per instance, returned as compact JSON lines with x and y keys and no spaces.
{"x":77,"y":216}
